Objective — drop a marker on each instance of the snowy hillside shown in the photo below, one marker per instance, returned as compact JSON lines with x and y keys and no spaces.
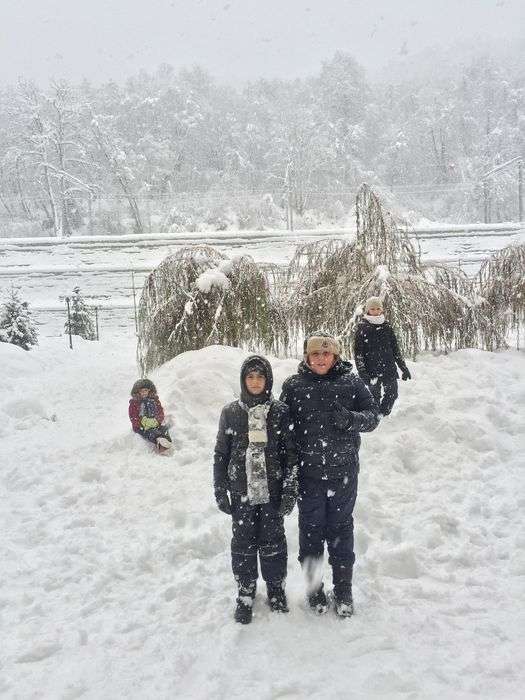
{"x":115,"y":578}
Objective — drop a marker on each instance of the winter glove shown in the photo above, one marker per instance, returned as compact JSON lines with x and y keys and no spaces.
{"x":223,"y":502}
{"x":341,"y":417}
{"x":405,"y":374}
{"x":288,"y":499}
{"x":148,"y":423}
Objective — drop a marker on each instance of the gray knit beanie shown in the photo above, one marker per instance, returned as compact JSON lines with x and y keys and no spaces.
{"x":372,"y":301}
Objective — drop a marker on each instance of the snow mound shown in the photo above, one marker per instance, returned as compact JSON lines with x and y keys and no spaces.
{"x":16,"y":362}
{"x":400,"y":562}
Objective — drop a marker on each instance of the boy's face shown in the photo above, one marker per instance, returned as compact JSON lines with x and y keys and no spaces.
{"x":321,"y":362}
{"x":143,"y":393}
{"x":255,"y":382}
{"x":375,"y":311}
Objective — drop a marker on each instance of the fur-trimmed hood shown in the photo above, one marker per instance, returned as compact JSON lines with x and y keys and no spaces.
{"x":143,"y":384}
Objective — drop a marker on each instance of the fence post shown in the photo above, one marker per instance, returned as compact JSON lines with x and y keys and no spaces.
{"x":69,"y":324}
{"x":96,"y":321}
{"x":90,"y":213}
{"x":520,"y":190}
{"x":289,"y":207}
{"x":485,"y":202}
{"x":134,"y":301}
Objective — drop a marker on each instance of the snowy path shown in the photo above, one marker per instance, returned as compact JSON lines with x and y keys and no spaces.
{"x":116,"y":583}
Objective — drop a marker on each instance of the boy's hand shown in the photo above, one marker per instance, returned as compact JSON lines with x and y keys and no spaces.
{"x":405,"y":374}
{"x":341,"y":416}
{"x":223,"y":502}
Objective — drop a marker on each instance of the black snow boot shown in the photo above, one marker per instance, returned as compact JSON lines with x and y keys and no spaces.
{"x":277,"y":598}
{"x":244,"y":609}
{"x":317,"y":601}
{"x":344,"y":604}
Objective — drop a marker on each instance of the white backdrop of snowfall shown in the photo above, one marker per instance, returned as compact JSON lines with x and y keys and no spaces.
{"x":115,"y":577}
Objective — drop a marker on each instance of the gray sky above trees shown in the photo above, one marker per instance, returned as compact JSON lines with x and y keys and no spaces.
{"x":235,"y":39}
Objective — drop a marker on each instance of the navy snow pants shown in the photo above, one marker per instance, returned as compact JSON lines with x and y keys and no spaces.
{"x":152,"y":434}
{"x":325,"y":515}
{"x":257,"y":529}
{"x":389,"y":391}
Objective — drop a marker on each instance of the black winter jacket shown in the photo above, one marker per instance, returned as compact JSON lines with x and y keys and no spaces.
{"x":376,"y":351}
{"x":229,"y":467}
{"x":325,"y":450}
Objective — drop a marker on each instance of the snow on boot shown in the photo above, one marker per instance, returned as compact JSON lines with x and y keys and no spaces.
{"x":243,"y":611}
{"x":344,"y":609}
{"x":318,"y":601}
{"x":277,"y":599}
{"x":164,"y":442}
{"x":344,"y":604}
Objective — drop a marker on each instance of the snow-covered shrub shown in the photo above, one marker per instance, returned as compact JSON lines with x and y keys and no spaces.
{"x":218,"y":217}
{"x":336,"y":211}
{"x":180,"y":219}
{"x":432,"y":308}
{"x":109,"y":222}
{"x":427,"y":315}
{"x":379,"y":237}
{"x":81,"y":322}
{"x":501,"y":281}
{"x":16,"y":323}
{"x":259,"y":214}
{"x":309,"y":219}
{"x":198,"y":297}
{"x":323,"y":279}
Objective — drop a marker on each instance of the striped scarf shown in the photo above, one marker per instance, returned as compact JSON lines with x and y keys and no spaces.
{"x":256,"y":476}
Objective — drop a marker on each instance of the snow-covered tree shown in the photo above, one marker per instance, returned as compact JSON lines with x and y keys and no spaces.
{"x":177,"y":149}
{"x":81,"y":317}
{"x":433,"y":309}
{"x":16,"y":323}
{"x":197,"y":297}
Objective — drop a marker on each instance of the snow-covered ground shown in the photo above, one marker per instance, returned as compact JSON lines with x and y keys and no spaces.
{"x":115,"y":579}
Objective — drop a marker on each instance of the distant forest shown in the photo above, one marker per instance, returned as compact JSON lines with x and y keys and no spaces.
{"x":176,"y":151}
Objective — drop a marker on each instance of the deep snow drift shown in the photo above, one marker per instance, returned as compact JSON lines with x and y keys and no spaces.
{"x":115,"y":579}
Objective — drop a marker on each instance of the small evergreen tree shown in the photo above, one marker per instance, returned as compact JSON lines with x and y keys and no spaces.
{"x":81,"y":321}
{"x":16,"y":323}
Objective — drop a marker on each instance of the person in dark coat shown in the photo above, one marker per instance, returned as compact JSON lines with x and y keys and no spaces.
{"x":147,"y":415}
{"x":255,"y":481}
{"x":329,"y":407}
{"x":377,"y":356}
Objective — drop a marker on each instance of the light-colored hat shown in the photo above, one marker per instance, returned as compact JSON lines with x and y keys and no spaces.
{"x":322,"y":343}
{"x":373,"y":301}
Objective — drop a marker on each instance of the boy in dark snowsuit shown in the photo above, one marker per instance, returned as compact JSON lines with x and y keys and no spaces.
{"x":255,"y":481}
{"x":329,"y":407}
{"x":147,"y":415}
{"x":376,"y":354}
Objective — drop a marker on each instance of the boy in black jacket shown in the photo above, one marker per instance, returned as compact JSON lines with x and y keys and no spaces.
{"x":329,"y":406}
{"x":256,"y":464}
{"x":376,"y":354}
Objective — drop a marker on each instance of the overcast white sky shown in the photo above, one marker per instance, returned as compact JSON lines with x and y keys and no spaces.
{"x":233,"y":39}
